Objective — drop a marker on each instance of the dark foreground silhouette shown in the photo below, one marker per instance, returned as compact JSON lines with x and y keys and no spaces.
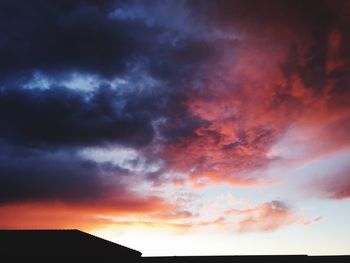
{"x":61,"y":246}
{"x":77,"y":246}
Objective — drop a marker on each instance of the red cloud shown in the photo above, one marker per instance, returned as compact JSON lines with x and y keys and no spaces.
{"x":246,"y":110}
{"x":277,"y":77}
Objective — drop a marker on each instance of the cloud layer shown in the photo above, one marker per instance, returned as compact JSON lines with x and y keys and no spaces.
{"x":191,"y":93}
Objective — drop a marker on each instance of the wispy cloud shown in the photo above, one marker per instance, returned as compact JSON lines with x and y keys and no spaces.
{"x":267,"y":217}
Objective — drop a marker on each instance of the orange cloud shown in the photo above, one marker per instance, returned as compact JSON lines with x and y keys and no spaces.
{"x":56,"y":214}
{"x":47,"y":216}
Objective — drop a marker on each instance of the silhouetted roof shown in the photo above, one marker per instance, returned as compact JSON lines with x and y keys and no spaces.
{"x":60,"y":244}
{"x":76,"y":246}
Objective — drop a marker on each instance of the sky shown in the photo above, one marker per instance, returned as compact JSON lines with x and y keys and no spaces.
{"x":199,"y":127}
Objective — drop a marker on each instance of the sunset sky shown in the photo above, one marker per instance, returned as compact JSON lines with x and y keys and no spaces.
{"x":178,"y":127}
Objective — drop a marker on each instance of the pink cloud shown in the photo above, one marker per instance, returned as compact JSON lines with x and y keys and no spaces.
{"x":267,"y":217}
{"x":335,"y":186}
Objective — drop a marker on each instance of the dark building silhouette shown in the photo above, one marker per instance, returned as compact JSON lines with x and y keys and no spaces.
{"x":76,"y":246}
{"x":248,"y":259}
{"x":61,"y":246}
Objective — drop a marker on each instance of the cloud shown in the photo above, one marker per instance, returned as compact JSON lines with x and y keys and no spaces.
{"x":216,"y":222}
{"x":237,"y":130}
{"x":58,"y":215}
{"x":85,"y":37}
{"x":334,"y":186}
{"x":65,"y":75}
{"x":66,"y":36}
{"x":62,"y":189}
{"x":267,"y":217}
{"x":204,"y":97}
{"x":179,"y":214}
{"x":66,"y":117}
{"x":37,"y":175}
{"x":272,"y":80}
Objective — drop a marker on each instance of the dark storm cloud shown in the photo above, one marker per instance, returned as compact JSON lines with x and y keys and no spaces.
{"x":57,"y":38}
{"x":43,"y":128}
{"x":259,"y":14}
{"x":33,"y":175}
{"x":66,"y":35}
{"x":63,"y":36}
{"x":61,"y":117}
